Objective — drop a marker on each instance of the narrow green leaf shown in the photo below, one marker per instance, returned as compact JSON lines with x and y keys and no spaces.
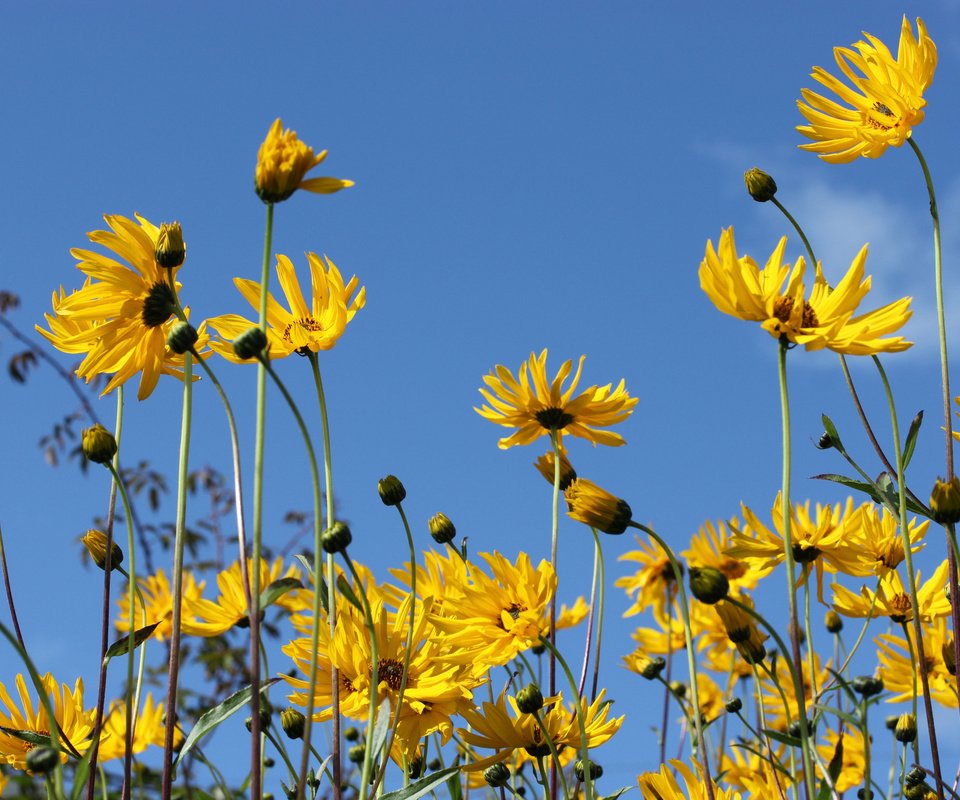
{"x":30,"y":737}
{"x":278,"y":589}
{"x":911,"y":442}
{"x":344,"y":588}
{"x":850,"y":483}
{"x":80,"y":775}
{"x":783,"y":738}
{"x":210,"y":719}
{"x":831,"y":430}
{"x":119,"y":647}
{"x":381,"y":728}
{"x":617,"y":793}
{"x":310,"y":581}
{"x":422,"y":786}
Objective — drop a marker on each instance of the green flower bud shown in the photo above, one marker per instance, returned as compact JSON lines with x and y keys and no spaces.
{"x":355,"y":754}
{"x":351,"y":734}
{"x":497,"y":775}
{"x":250,"y":344}
{"x":391,"y":490}
{"x":434,"y":764}
{"x":96,"y":543}
{"x":915,"y":777}
{"x":529,"y":699}
{"x":42,"y":760}
{"x":441,"y":529}
{"x":159,"y":305}
{"x":833,"y":621}
{"x":596,"y":770}
{"x":949,"y":656}
{"x":648,"y":667}
{"x":890,"y":723}
{"x":945,"y":501}
{"x":336,"y":538}
{"x":906,"y":730}
{"x":867,"y":685}
{"x":733,"y":705}
{"x":760,"y":185}
{"x":182,"y":337}
{"x":708,"y":584}
{"x":98,"y":444}
{"x":292,"y":722}
{"x":170,"y":250}
{"x":678,"y":689}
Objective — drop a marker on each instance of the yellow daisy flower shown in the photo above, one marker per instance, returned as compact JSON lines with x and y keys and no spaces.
{"x":534,"y":410}
{"x":158,"y":600}
{"x":283,"y":161}
{"x":441,"y":578}
{"x":746,"y":770}
{"x":895,"y":656}
{"x":653,"y":584}
{"x":885,"y":101}
{"x":149,"y":729}
{"x":776,"y":712}
{"x":76,"y":723}
{"x":494,"y":727}
{"x":121,"y":318}
{"x":207,"y":618}
{"x":893,"y":599}
{"x":851,"y":765}
{"x":663,"y":785}
{"x":875,"y":543}
{"x":303,"y":328}
{"x":708,"y":548}
{"x":737,"y":287}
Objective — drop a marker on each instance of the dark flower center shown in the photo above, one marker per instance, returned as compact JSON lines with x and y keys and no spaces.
{"x":304,"y":323}
{"x":391,"y":671}
{"x":804,"y":554}
{"x":159,"y":304}
{"x":784,"y":306}
{"x":553,"y":419}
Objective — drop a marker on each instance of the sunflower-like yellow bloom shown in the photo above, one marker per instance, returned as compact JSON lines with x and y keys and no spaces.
{"x":75,"y":722}
{"x":653,"y":584}
{"x":708,"y":548}
{"x":283,"y":161}
{"x":149,"y":729}
{"x":494,"y":727}
{"x":436,"y":689}
{"x":776,"y":712}
{"x":738,"y":287}
{"x":748,"y":771}
{"x":875,"y":544}
{"x":535,"y":410}
{"x":892,"y":599}
{"x":663,"y":785}
{"x":896,"y":658}
{"x":122,"y":317}
{"x":885,"y":101}
{"x":208,"y":618}
{"x":304,"y":328}
{"x":158,"y":603}
{"x":851,"y":764}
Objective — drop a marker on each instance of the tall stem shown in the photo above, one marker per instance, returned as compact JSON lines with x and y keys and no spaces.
{"x":177,"y":578}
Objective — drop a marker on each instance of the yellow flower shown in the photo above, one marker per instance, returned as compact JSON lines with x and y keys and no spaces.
{"x":739,"y":288}
{"x":158,"y":601}
{"x":538,"y":409}
{"x":875,"y":545}
{"x":436,"y":689}
{"x":149,"y":729}
{"x":282,"y":162}
{"x":663,"y":785}
{"x":494,"y":727}
{"x":121,"y":318}
{"x":895,"y":656}
{"x":595,"y":506}
{"x":206,"y":618}
{"x":773,"y":700}
{"x":654,"y":584}
{"x":303,"y":328}
{"x":708,"y":548}
{"x":883,"y":106}
{"x":892,"y":599}
{"x":851,"y":765}
{"x":75,"y":722}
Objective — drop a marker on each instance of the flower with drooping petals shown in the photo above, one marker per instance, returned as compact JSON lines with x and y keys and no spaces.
{"x":885,"y":101}
{"x":149,"y":729}
{"x":283,"y":161}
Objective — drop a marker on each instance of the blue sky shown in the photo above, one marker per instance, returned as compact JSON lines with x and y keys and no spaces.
{"x":528,"y":176}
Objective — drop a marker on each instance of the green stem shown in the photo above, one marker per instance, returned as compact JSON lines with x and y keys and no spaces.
{"x":331,"y":580}
{"x":554,"y":539}
{"x":797,"y":228}
{"x":697,"y":739}
{"x":602,"y":604}
{"x":786,"y":515}
{"x":865,"y":732}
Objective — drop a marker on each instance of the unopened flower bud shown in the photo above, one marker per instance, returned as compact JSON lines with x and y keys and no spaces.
{"x":250,"y":344}
{"x":915,"y":777}
{"x":292,"y":722}
{"x":441,"y":529}
{"x":596,"y":771}
{"x":596,"y":507}
{"x":391,"y":490}
{"x":890,"y":723}
{"x":760,"y":185}
{"x":864,"y":794}
{"x":648,"y":667}
{"x":264,"y":719}
{"x":182,"y":337}
{"x":733,"y":705}
{"x":679,"y":689}
{"x":833,"y":621}
{"x":906,"y":730}
{"x":825,"y":442}
{"x":336,"y":538}
{"x":351,"y":734}
{"x":529,"y":699}
{"x":945,"y":501}
{"x":42,"y":760}
{"x":98,"y":444}
{"x":708,"y":584}
{"x":355,"y":754}
{"x":949,"y":656}
{"x":96,"y":543}
{"x":170,"y":250}
{"x":434,"y":764}
{"x":497,"y":775}
{"x":867,"y":685}
{"x":546,"y":465}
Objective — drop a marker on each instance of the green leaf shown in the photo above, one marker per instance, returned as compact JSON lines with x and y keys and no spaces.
{"x":30,"y":737}
{"x":80,"y":775}
{"x":308,"y":567}
{"x":617,"y":793}
{"x":833,"y":770}
{"x":911,"y":442}
{"x":422,"y":786}
{"x":850,"y":719}
{"x":278,"y":589}
{"x":344,"y":588}
{"x":119,"y":647}
{"x":831,"y":430}
{"x":210,"y":719}
{"x":381,"y":728}
{"x":790,"y":741}
{"x":851,"y":483}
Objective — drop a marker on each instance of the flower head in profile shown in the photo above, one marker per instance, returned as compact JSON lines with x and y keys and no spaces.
{"x":304,"y":328}
{"x":535,"y":406}
{"x":283,"y":161}
{"x":76,"y":723}
{"x":122,"y":316}
{"x":663,"y":785}
{"x":897,"y":659}
{"x":157,"y":603}
{"x":892,"y":598}
{"x":882,"y":104}
{"x":826,"y":319}
{"x":149,"y":729}
{"x":653,"y":584}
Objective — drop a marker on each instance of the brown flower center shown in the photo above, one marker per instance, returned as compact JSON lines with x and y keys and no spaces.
{"x":885,"y":110}
{"x":391,"y":671}
{"x":553,"y":418}
{"x":783,"y":307}
{"x":900,"y":603}
{"x":304,"y":323}
{"x":732,"y":568}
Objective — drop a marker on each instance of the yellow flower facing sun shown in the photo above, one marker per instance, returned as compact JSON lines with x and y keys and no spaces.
{"x":149,"y":729}
{"x":827,"y":319}
{"x":158,"y":603}
{"x":283,"y":161}
{"x":882,"y":107}
{"x":304,"y":328}
{"x":535,"y":406}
